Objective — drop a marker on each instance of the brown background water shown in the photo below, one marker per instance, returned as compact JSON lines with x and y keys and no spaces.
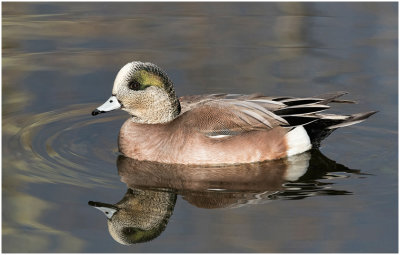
{"x":59,"y":62}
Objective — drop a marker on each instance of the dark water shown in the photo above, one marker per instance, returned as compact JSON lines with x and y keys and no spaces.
{"x":59,"y":62}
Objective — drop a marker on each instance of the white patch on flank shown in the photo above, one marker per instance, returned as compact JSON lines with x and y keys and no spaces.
{"x":297,"y":166}
{"x":297,"y":141}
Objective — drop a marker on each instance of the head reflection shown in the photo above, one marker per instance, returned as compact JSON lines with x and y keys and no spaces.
{"x":145,"y":209}
{"x":140,"y":216}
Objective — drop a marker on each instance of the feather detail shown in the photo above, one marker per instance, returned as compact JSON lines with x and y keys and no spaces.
{"x":254,"y":106}
{"x":353,"y":119}
{"x":301,"y":109}
{"x":226,"y":115}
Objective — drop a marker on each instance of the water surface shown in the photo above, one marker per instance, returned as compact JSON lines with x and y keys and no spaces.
{"x":59,"y":62}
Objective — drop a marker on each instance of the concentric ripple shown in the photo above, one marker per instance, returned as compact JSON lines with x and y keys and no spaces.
{"x":64,"y":146}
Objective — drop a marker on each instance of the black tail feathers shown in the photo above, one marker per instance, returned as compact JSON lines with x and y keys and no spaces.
{"x":327,"y":123}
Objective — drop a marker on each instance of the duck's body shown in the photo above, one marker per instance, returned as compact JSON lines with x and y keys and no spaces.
{"x":215,"y":129}
{"x":181,"y":143}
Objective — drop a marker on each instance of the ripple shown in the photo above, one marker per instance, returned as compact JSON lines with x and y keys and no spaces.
{"x":64,"y":146}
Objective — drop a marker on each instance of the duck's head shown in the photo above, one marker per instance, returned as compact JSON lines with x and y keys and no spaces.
{"x":145,"y":91}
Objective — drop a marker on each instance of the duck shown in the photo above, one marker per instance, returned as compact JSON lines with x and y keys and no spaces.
{"x":216,"y":129}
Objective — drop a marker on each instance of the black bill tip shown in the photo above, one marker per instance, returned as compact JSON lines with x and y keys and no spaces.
{"x":92,"y":203}
{"x":95,"y":112}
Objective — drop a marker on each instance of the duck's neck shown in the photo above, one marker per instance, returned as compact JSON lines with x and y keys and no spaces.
{"x":162,"y":110}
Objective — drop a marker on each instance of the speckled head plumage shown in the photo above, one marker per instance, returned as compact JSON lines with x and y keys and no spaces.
{"x":145,"y":91}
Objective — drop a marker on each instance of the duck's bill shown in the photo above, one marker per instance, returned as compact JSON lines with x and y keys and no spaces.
{"x":110,"y":105}
{"x":107,"y":209}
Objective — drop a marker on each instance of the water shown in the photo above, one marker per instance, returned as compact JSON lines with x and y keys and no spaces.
{"x":59,"y":63}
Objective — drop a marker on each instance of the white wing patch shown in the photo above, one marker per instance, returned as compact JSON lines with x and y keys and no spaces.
{"x":217,"y":136}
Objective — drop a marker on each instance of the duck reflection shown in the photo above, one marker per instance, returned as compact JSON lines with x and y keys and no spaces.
{"x":145,"y":209}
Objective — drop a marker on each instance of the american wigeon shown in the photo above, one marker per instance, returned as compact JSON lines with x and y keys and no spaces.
{"x":217,"y":128}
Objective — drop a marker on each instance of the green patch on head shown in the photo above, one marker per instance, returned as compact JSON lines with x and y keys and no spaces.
{"x":146,"y":79}
{"x":133,"y":235}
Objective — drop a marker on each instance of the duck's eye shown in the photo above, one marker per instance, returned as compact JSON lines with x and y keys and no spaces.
{"x":134,"y":85}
